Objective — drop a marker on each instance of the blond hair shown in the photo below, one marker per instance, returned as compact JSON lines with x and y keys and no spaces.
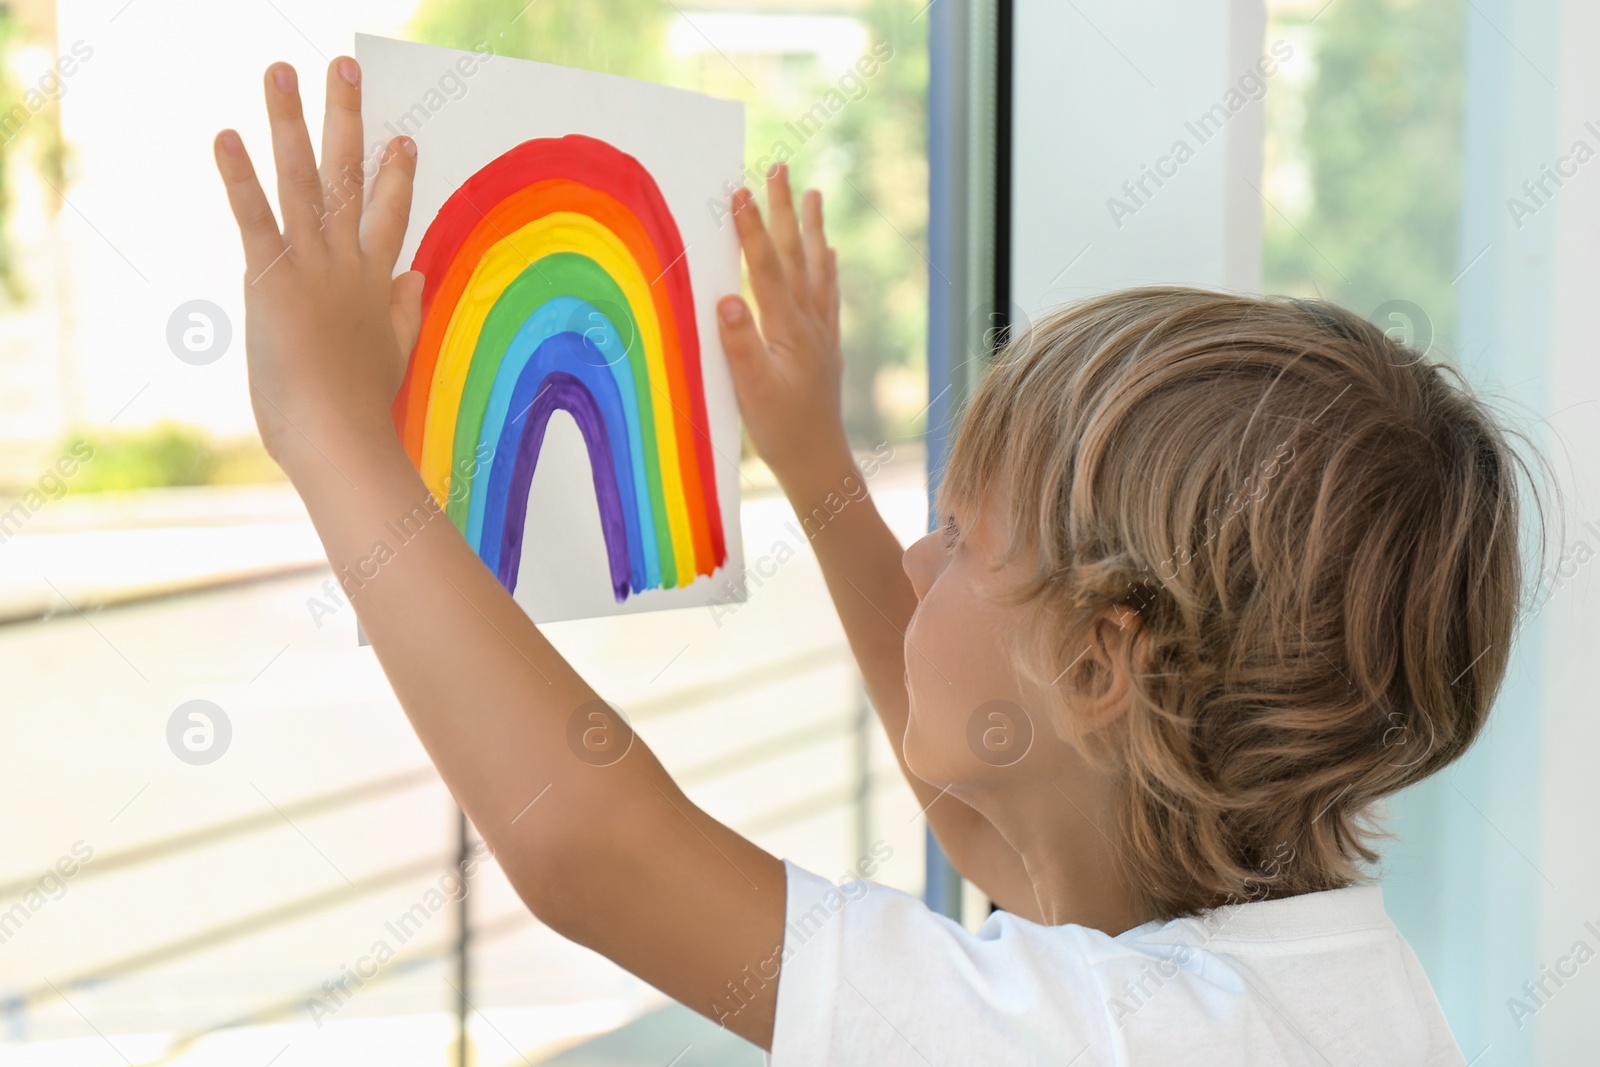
{"x":1318,"y":529}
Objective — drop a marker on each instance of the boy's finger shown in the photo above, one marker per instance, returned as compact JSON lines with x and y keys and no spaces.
{"x":299,"y":186}
{"x":258,"y":230}
{"x":405,"y":311}
{"x":747,"y":353}
{"x":383,"y":223}
{"x":786,"y":233}
{"x":833,"y":294}
{"x":342,"y":177}
{"x":772,"y":294}
{"x":816,"y":248}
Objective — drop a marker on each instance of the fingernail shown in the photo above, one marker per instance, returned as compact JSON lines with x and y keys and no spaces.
{"x":350,"y":71}
{"x":732,"y":309}
{"x":230,"y":142}
{"x":284,"y":78}
{"x":410,"y":146}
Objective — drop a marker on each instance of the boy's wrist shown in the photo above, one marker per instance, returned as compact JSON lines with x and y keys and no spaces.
{"x":339,"y":444}
{"x":829,"y":469}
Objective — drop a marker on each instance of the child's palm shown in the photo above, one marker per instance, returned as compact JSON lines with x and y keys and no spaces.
{"x":327,"y":327}
{"x":786,"y":374}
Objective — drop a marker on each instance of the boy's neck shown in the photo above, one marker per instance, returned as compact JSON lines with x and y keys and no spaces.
{"x":1065,"y":835}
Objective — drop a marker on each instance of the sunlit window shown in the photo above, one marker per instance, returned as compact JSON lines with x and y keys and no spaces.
{"x":223,"y":842}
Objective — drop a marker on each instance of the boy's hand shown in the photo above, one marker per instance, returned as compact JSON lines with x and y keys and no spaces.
{"x":328,"y":329}
{"x":786,"y":374}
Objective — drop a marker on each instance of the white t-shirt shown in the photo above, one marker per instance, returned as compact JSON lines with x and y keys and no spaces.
{"x":871,"y":976}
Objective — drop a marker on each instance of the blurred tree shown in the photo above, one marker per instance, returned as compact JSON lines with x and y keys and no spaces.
{"x":625,"y":37}
{"x":870,"y":160}
{"x":1382,"y":141}
{"x":32,"y":118}
{"x":868,"y":157}
{"x":879,"y":215}
{"x":10,"y":96}
{"x":161,"y":455}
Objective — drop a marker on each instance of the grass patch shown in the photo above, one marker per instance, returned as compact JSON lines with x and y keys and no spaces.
{"x":170,"y":454}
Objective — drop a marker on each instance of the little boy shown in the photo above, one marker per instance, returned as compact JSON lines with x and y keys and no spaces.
{"x":1213,"y":574}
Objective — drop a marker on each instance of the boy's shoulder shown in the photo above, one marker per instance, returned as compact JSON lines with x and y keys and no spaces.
{"x":870,"y":974}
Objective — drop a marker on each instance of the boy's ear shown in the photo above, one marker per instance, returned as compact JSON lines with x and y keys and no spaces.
{"x":1099,"y":684}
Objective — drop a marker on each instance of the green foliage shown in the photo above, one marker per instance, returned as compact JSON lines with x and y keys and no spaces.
{"x":878,"y":213}
{"x":167,"y":454}
{"x":1382,"y":141}
{"x":10,"y":94}
{"x":625,"y":37}
{"x":869,"y":157}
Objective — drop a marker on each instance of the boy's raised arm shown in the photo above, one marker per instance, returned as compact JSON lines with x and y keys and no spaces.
{"x":787,"y":377}
{"x":606,"y":850}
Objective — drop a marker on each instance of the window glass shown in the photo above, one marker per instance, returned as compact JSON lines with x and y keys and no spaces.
{"x":259,"y":851}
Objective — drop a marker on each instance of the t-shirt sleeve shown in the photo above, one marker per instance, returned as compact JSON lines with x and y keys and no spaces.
{"x":870,"y":975}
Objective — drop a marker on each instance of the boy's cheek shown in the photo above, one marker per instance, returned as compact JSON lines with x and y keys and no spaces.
{"x":913,"y":747}
{"x":932,"y":745}
{"x":955,"y":670}
{"x":924,"y":640}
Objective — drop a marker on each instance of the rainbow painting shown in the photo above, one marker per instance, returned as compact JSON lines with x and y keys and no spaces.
{"x":557,"y":281}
